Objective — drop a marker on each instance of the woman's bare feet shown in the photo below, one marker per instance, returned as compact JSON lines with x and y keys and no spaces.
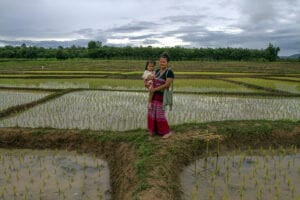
{"x":151,"y":134}
{"x":167,"y":135}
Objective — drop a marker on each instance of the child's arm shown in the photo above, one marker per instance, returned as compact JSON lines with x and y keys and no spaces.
{"x":152,"y":76}
{"x":145,"y":75}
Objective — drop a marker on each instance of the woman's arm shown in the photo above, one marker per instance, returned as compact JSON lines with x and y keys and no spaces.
{"x":166,"y":85}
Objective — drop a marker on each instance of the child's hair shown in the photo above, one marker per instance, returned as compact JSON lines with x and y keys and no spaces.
{"x":150,"y":62}
{"x":165,"y":55}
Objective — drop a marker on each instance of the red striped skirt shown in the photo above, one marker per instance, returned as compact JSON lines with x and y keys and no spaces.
{"x":157,"y":121}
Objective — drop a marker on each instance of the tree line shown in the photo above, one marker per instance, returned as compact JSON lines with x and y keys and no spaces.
{"x":96,"y":50}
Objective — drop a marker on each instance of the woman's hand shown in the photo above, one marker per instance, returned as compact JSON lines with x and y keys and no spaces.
{"x":166,"y":85}
{"x":153,"y":90}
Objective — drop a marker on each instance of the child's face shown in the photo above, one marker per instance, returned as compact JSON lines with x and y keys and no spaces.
{"x":150,"y":67}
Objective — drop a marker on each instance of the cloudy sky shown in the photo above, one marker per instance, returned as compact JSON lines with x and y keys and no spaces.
{"x":159,"y":23}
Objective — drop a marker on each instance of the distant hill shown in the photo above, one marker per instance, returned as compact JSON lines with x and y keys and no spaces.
{"x":296,"y":56}
{"x":45,"y":44}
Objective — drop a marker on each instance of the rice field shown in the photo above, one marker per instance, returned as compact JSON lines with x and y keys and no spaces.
{"x":292,"y":87}
{"x":267,"y":174}
{"x":12,"y":65}
{"x":115,"y":72}
{"x":14,"y":98}
{"x":105,"y":110}
{"x":209,"y":85}
{"x":180,"y":85}
{"x":288,"y":78}
{"x":50,"y":174}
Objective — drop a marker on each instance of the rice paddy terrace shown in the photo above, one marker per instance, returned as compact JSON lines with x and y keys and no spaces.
{"x":76,"y":129}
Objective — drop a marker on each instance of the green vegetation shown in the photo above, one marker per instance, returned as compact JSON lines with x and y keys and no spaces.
{"x":56,"y":174}
{"x":81,"y":110}
{"x":287,"y":78}
{"x":93,"y":65}
{"x":208,"y":85}
{"x":143,"y":167}
{"x":158,"y":162}
{"x":13,"y":98}
{"x":88,"y":83}
{"x":25,"y":106}
{"x":292,"y":87}
{"x":182,"y":85}
{"x":96,"y":50}
{"x":253,"y":173}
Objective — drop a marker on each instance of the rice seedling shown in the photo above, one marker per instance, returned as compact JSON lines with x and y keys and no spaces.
{"x":14,"y":98}
{"x":293,"y":190}
{"x":292,"y":87}
{"x":191,"y":85}
{"x":82,"y":110}
{"x":286,"y":78}
{"x":41,"y":174}
{"x":247,"y":176}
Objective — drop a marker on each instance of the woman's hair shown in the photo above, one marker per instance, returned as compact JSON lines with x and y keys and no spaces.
{"x":166,"y":56}
{"x":150,"y":62}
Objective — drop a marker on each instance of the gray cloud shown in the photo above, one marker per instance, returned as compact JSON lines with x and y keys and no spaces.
{"x":209,"y":23}
{"x":143,"y":37}
{"x":187,"y":19}
{"x":253,"y":40}
{"x":150,"y":42}
{"x":257,"y":11}
{"x":134,"y":26}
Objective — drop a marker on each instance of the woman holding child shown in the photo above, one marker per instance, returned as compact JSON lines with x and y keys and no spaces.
{"x":157,"y":121}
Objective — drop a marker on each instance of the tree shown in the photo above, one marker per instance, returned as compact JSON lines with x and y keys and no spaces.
{"x":96,"y":50}
{"x":22,"y":51}
{"x":61,"y":54}
{"x":31,"y":52}
{"x":271,"y":52}
{"x":93,"y":48}
{"x":94,"y":44}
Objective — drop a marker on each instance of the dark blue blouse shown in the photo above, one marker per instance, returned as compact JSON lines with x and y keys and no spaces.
{"x":164,"y":76}
{"x":167,"y":74}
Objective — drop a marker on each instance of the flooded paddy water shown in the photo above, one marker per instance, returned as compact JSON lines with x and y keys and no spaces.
{"x":50,"y":174}
{"x":106,"y":110}
{"x":265,"y":176}
{"x":14,"y":98}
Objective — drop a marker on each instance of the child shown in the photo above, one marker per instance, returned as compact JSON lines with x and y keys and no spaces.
{"x":149,"y":76}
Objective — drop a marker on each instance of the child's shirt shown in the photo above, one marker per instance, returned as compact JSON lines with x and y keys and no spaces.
{"x":148,"y":75}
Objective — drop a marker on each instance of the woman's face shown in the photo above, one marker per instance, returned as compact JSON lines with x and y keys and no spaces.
{"x":163,"y":63}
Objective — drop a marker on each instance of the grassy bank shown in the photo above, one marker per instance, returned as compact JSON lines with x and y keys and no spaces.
{"x":143,"y":167}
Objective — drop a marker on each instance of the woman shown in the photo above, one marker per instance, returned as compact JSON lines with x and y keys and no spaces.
{"x":157,"y":121}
